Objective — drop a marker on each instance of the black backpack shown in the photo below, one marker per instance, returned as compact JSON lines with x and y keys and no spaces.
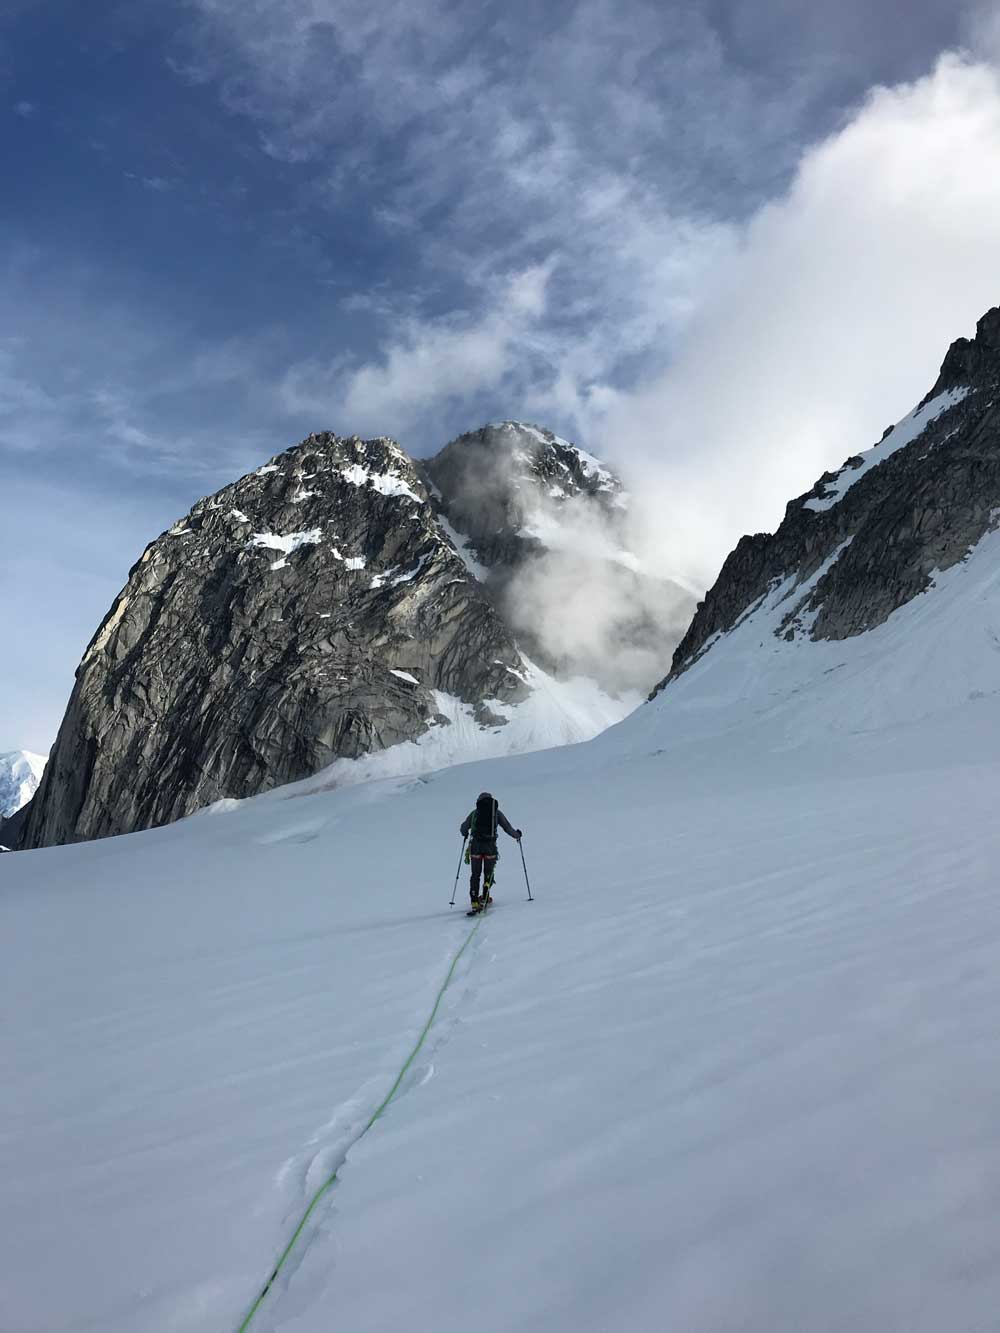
{"x":484,"y":819}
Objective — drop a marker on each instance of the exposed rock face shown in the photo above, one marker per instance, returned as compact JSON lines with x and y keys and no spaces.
{"x":304,"y":613}
{"x":915,"y":503}
{"x":504,"y":485}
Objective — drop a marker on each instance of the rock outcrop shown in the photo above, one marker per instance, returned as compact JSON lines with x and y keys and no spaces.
{"x":329,"y":605}
{"x":876,"y":529}
{"x":305,"y":613}
{"x":504,"y":487}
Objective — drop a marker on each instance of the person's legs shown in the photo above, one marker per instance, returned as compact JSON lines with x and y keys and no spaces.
{"x":477,"y":867}
{"x":489,"y":869}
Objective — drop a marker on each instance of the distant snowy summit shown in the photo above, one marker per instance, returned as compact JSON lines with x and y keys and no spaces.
{"x":855,"y":553}
{"x":20,"y":773}
{"x":342,"y":601}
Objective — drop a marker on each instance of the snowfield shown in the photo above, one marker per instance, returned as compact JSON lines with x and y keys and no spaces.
{"x":735,"y":1068}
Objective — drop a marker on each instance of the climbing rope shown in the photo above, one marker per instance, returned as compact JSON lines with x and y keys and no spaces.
{"x":375,"y":1115}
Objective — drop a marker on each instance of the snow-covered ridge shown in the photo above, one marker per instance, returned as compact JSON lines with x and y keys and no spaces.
{"x":905,"y":432}
{"x":933,"y":655}
{"x":20,"y":773}
{"x":589,"y":465}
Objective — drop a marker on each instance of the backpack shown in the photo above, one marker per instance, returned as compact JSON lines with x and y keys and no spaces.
{"x":484,"y":820}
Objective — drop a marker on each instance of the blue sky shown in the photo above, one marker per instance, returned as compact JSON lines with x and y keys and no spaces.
{"x":230,"y":222}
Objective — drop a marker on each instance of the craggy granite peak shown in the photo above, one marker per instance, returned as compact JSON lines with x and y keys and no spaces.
{"x":489,"y":483}
{"x":258,"y":639}
{"x":927,"y":493}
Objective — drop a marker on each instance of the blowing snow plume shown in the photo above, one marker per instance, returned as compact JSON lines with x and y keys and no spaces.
{"x":824,"y":324}
{"x":551,"y":526}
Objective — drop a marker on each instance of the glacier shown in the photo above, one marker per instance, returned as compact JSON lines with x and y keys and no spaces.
{"x":733,"y":1069}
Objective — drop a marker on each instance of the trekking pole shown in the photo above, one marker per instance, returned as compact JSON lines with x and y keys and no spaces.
{"x":526,"y":880}
{"x":461,"y":858}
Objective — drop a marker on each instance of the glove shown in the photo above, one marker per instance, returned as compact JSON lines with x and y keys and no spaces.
{"x":517,"y":834}
{"x":468,"y":857}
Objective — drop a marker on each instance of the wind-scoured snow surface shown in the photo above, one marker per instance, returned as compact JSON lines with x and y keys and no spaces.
{"x":20,"y":773}
{"x":734,"y":1069}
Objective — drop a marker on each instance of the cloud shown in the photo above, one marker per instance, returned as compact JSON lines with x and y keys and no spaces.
{"x":610,"y":149}
{"x":426,"y":364}
{"x":158,"y":184}
{"x":25,"y":109}
{"x":828,"y":322}
{"x":587,"y":603}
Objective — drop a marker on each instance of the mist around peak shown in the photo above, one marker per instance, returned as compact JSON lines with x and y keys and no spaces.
{"x":557,"y":531}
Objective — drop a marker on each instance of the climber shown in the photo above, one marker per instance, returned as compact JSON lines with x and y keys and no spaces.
{"x":482,"y":852}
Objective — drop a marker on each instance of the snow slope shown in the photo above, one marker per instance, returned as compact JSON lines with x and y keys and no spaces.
{"x":735,"y":1068}
{"x":20,"y":773}
{"x":556,"y":712}
{"x":933,"y":655}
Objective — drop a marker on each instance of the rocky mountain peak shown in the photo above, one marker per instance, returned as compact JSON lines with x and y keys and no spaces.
{"x":973,"y":360}
{"x":307,"y":612}
{"x":335,"y":602}
{"x":504,"y":485}
{"x":871,"y":536}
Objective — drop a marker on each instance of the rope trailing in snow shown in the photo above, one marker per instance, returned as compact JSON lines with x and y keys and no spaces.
{"x":375,"y":1115}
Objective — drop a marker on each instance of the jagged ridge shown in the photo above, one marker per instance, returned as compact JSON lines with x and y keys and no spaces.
{"x":922,"y":497}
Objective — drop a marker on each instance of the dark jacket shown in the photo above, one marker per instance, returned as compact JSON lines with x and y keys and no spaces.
{"x":487,"y":844}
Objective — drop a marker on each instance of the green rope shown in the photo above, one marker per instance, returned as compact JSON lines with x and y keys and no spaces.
{"x":378,"y":1112}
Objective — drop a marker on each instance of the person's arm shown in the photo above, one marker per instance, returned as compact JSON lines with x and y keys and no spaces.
{"x":505,"y":824}
{"x":466,"y":825}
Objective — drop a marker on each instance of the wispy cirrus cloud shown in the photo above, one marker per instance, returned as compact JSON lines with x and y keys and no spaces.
{"x":428,"y":365}
{"x":622,"y":149}
{"x":610,"y":147}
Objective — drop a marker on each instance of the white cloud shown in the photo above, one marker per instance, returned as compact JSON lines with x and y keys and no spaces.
{"x":828,"y":322}
{"x":425,"y":364}
{"x":575,"y":144}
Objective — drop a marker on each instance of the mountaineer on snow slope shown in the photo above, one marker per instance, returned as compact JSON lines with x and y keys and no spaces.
{"x":482,"y":854}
